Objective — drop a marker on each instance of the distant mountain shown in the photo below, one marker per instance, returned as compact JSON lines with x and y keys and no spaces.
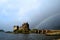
{"x":1,"y":30}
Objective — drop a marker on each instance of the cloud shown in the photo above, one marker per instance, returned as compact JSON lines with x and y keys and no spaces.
{"x":18,"y":7}
{"x":3,"y":1}
{"x":15,"y":11}
{"x":33,"y":11}
{"x":27,"y":6}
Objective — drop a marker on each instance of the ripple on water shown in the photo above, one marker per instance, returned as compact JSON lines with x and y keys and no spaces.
{"x":7,"y":36}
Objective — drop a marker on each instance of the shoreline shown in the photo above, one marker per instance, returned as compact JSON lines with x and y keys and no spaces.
{"x":47,"y":34}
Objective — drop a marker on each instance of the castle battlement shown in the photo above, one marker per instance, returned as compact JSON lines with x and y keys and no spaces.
{"x":24,"y":27}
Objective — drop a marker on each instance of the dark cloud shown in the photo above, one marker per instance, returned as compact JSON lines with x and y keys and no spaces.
{"x":51,"y":23}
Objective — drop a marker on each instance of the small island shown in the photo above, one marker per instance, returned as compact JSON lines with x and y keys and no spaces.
{"x":22,"y":29}
{"x":8,"y":32}
{"x":1,"y":30}
{"x":26,"y":30}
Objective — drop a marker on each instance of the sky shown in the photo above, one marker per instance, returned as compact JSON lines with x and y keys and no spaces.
{"x":35,"y":12}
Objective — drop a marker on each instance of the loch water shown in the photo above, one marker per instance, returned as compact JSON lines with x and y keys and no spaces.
{"x":10,"y":36}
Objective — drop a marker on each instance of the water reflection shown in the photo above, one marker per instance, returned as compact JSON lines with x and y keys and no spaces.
{"x":6,"y":36}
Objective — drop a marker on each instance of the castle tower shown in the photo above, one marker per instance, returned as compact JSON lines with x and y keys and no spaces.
{"x":16,"y":28}
{"x":25,"y":27}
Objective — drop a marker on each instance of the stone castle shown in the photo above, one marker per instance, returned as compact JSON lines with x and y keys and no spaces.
{"x":24,"y":27}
